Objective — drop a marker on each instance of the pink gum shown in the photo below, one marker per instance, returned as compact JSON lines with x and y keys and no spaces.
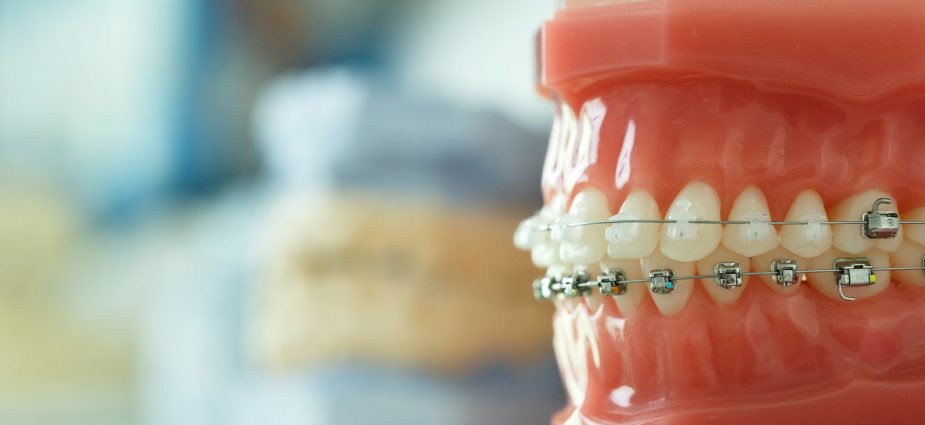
{"x":799,"y":356}
{"x":730,"y":135}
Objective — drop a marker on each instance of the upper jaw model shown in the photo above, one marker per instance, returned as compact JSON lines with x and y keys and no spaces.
{"x":734,"y":225}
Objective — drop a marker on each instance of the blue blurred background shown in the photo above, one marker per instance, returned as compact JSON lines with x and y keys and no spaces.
{"x":193,"y":194}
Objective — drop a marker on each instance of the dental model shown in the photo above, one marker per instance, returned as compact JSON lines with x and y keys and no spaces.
{"x":734,"y":226}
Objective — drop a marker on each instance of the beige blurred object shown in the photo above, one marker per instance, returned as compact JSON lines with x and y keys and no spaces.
{"x":359,"y":278}
{"x":51,"y":366}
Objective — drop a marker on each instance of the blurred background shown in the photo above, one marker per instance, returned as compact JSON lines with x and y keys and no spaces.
{"x":270,"y":212}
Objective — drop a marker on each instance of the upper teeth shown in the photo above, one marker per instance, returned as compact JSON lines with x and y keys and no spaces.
{"x":684,"y":241}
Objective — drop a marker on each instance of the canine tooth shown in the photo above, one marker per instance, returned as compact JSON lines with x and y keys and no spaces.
{"x":762,"y":263}
{"x":812,"y":239}
{"x":634,"y":240}
{"x":671,"y":303}
{"x":758,"y":236}
{"x":584,"y":244}
{"x":825,"y":282}
{"x":848,"y":237}
{"x":915,"y":232}
{"x":720,"y":295}
{"x":684,"y":241}
{"x":909,"y":254}
{"x":629,"y":301}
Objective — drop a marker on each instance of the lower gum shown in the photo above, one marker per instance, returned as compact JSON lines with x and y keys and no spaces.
{"x":789,"y":349}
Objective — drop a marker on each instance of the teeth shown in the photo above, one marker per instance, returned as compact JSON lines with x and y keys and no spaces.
{"x":915,"y":232}
{"x":585,"y":244}
{"x":671,"y":303}
{"x":813,"y":239}
{"x":909,"y":254}
{"x":721,"y":295}
{"x":545,"y":252}
{"x":847,"y":237}
{"x":593,"y":302}
{"x":628,"y":302}
{"x":529,"y":234}
{"x":634,"y":240}
{"x":825,"y":282}
{"x":684,"y":241}
{"x":758,"y":236}
{"x":762,"y":263}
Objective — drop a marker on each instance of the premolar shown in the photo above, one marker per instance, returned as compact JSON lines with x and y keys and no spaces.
{"x":634,"y":240}
{"x":849,"y":238}
{"x":762,"y":263}
{"x":628,"y":302}
{"x":812,"y":239}
{"x":684,"y":241}
{"x":673,"y":302}
{"x":583,"y":244}
{"x":719,"y":294}
{"x":756,"y":237}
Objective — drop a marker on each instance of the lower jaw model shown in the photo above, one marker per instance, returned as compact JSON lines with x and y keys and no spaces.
{"x":725,"y":249}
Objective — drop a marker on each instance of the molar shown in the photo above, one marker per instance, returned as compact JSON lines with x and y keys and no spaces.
{"x":720,"y":295}
{"x":762,"y":263}
{"x":634,"y":240}
{"x":915,"y":232}
{"x":757,"y":237}
{"x":909,"y":254}
{"x":635,"y":292}
{"x":848,"y":238}
{"x":584,"y":244}
{"x":812,"y":239}
{"x":671,"y":303}
{"x":825,"y":282}
{"x":691,"y":242}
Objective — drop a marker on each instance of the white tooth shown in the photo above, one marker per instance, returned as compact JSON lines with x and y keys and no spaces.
{"x":762,"y":263}
{"x":758,"y":236}
{"x":593,"y":302}
{"x":848,"y":237}
{"x":825,"y":282}
{"x":671,"y":303}
{"x":584,"y":244}
{"x":565,"y":231}
{"x":529,"y":233}
{"x":720,"y":295}
{"x":635,"y":292}
{"x":909,"y":254}
{"x":634,"y":240}
{"x":684,"y":241}
{"x":915,"y":232}
{"x":545,"y":252}
{"x":812,"y":239}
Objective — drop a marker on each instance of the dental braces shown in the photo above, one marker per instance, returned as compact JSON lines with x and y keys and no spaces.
{"x":875,"y":224}
{"x":848,"y":271}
